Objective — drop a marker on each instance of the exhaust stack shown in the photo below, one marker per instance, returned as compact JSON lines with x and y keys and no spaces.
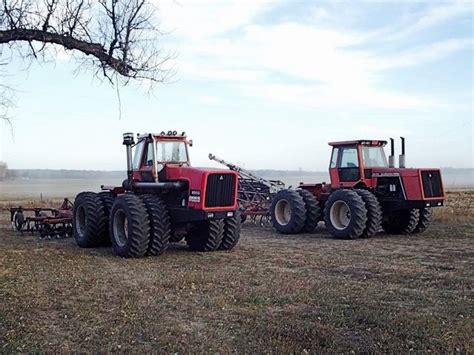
{"x":401,"y":158}
{"x":391,"y":158}
{"x":128,"y":141}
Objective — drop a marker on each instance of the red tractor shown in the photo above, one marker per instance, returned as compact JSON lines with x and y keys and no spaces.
{"x":162,"y":200}
{"x":366,"y":194}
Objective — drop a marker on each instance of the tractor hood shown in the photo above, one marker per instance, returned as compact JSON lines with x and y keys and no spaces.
{"x":176,"y":172}
{"x":209,"y":189}
{"x":418,"y":184}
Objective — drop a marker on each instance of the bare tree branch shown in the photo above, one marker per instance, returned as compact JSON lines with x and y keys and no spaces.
{"x":117,"y":37}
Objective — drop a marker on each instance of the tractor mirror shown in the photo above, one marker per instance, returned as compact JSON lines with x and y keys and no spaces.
{"x":190,"y":142}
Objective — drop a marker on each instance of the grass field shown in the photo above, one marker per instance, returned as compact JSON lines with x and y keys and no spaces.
{"x":272,"y":294}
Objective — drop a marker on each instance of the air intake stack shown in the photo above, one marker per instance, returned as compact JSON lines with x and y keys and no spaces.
{"x":401,"y":158}
{"x":391,"y":158}
{"x":128,"y":141}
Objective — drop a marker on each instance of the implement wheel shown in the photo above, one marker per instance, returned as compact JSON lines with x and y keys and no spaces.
{"x":345,"y":214}
{"x":288,"y":212}
{"x":89,"y":221}
{"x":19,"y":220}
{"x":129,"y":226}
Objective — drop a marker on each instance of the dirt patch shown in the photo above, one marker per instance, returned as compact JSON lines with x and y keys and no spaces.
{"x":273,"y":293}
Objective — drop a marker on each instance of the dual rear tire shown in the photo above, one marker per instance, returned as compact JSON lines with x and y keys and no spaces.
{"x":345,"y":214}
{"x":348,"y":214}
{"x":351,"y":214}
{"x":295,"y":211}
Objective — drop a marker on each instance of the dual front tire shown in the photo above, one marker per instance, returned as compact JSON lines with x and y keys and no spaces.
{"x":409,"y":221}
{"x":219,"y":234}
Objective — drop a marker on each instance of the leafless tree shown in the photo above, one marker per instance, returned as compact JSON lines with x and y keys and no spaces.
{"x":118,"y":39}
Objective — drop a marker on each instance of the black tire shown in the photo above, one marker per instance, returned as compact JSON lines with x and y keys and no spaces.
{"x":129,"y":226}
{"x":206,"y":235}
{"x":288,"y":212}
{"x":107,"y":199}
{"x":313,"y":212}
{"x":231,"y":232}
{"x":345,"y":214}
{"x":89,"y":221}
{"x":374,"y":213}
{"x":426,"y":215}
{"x":401,"y":221}
{"x":19,"y":220}
{"x":160,"y":226}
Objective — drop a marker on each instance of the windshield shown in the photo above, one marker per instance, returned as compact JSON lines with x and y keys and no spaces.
{"x":171,"y":151}
{"x":374,"y":157}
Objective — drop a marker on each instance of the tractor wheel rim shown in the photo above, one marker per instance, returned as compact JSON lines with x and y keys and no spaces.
{"x":120,"y":228}
{"x":340,"y":215}
{"x":81,"y":221}
{"x":283,"y":212}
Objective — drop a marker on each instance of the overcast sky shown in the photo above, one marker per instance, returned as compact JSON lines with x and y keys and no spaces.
{"x":266,"y":84}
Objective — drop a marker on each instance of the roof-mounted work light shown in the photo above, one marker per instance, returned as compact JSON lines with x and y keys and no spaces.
{"x":128,"y":139}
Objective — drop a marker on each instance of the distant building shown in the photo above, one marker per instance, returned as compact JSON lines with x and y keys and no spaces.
{"x":3,"y":170}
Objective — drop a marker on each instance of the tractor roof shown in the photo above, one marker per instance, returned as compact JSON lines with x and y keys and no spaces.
{"x":163,"y":134}
{"x":369,"y":142}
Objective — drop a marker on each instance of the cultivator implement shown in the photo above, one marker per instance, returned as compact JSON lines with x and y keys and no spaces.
{"x":47,"y":222}
{"x":254,"y":193}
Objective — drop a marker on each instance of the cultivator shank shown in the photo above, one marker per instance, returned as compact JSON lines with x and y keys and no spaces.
{"x":47,"y":222}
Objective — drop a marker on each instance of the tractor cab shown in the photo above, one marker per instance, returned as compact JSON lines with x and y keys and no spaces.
{"x":352,"y":162}
{"x":363,"y":164}
{"x":154,"y":152}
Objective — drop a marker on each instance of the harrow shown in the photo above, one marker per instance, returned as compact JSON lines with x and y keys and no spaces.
{"x":47,"y":222}
{"x":255,"y":194}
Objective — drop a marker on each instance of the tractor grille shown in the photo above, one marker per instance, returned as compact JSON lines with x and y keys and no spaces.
{"x":220,"y":190}
{"x":432,"y":186}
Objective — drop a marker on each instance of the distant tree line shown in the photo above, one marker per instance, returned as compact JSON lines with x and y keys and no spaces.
{"x":3,"y":170}
{"x":61,"y":174}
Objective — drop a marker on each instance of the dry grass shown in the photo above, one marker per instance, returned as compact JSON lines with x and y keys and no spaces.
{"x":459,"y":208}
{"x":272,"y":294}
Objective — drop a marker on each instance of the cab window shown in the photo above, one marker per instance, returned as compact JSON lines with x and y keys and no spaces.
{"x":349,"y":158}
{"x":137,"y":158}
{"x":335,"y":152}
{"x":150,"y":154}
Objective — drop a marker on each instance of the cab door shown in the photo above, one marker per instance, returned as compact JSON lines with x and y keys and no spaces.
{"x":147,"y":172}
{"x":344,"y":170}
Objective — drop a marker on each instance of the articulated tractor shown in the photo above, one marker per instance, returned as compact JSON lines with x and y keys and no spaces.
{"x":366,"y":194}
{"x":164,"y":199}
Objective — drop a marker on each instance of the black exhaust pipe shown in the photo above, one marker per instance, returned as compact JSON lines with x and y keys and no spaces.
{"x":401,"y":158}
{"x":128,"y":141}
{"x":391,"y":158}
